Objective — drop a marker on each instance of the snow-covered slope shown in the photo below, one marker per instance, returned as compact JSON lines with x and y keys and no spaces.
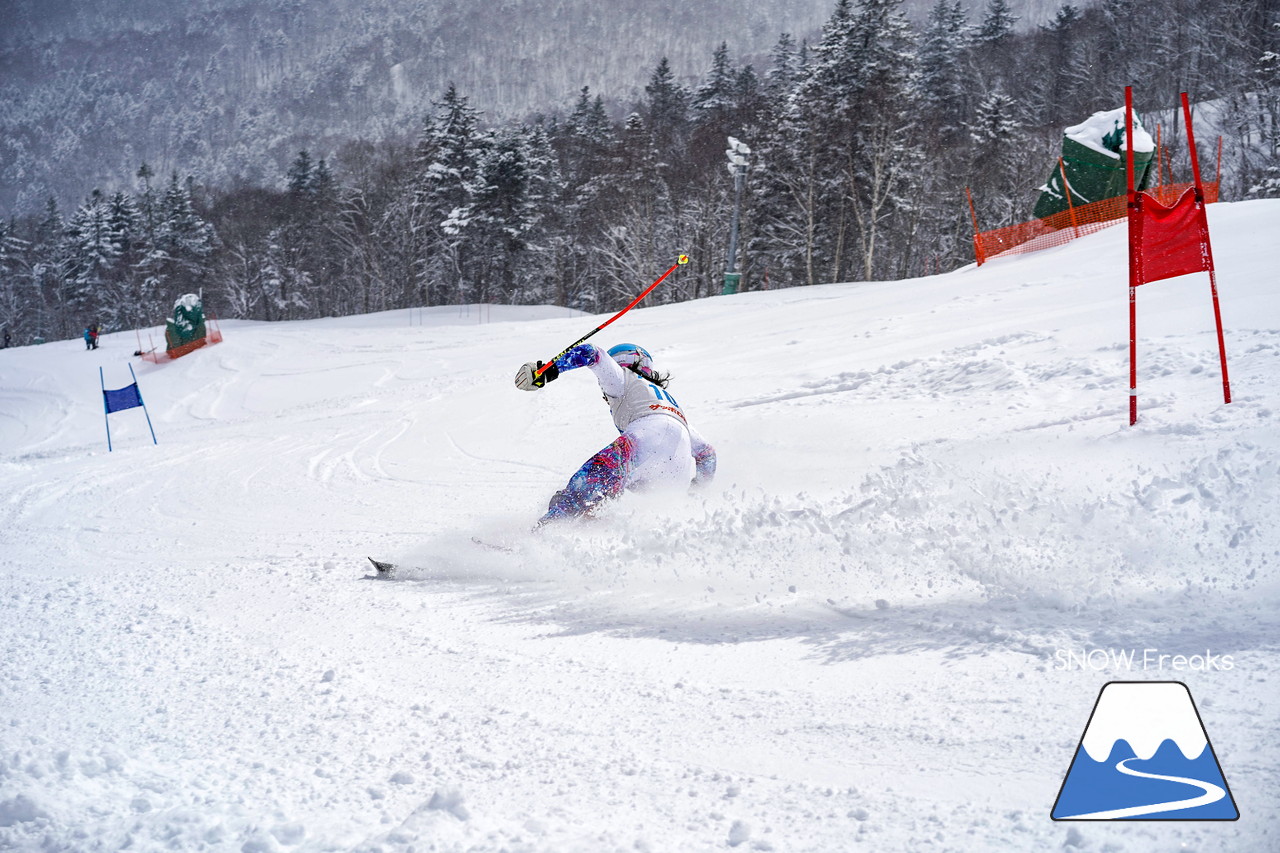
{"x":884,"y":627}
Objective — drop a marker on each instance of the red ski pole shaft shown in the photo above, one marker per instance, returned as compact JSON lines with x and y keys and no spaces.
{"x":684,"y":259}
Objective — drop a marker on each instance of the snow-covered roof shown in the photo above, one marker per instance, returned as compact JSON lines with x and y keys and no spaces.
{"x":1092,"y":131}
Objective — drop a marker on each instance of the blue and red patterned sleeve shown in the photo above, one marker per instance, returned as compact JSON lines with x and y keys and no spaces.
{"x":607,"y":372}
{"x":583,"y":355}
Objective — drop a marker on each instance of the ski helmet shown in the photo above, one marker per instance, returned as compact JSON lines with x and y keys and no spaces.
{"x":633,"y":357}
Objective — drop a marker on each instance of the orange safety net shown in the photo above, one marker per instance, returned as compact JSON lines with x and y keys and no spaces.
{"x":1064,"y":227}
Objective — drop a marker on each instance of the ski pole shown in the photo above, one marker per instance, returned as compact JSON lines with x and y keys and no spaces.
{"x":683,"y":259}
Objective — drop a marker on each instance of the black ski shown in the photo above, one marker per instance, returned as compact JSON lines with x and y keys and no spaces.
{"x":383,"y":568}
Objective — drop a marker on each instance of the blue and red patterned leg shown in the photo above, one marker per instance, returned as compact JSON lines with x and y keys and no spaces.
{"x":601,"y":477}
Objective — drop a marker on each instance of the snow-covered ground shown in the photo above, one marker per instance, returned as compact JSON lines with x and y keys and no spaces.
{"x":867,"y":635}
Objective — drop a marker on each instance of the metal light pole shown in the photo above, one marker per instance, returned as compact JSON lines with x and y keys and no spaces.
{"x":737,"y":154}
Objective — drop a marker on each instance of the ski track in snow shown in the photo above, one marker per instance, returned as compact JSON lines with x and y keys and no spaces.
{"x":927,"y":488}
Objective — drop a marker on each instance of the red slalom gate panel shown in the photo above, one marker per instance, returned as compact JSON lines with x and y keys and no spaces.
{"x":1171,"y":241}
{"x":1166,"y":241}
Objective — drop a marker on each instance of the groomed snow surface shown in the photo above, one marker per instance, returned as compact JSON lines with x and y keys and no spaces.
{"x":856,"y":639}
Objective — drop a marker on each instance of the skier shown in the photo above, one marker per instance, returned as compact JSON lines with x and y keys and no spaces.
{"x":656,"y":448}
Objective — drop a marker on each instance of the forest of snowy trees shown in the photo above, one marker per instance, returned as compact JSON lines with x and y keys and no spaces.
{"x":863,"y":139}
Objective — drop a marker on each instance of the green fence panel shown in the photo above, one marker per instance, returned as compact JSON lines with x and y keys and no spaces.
{"x":1094,"y":159}
{"x":187,"y":324}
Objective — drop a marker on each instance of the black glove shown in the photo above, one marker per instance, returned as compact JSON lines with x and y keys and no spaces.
{"x":527,"y":378}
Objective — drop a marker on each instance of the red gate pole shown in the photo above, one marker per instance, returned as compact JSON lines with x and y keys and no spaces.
{"x":1208,"y":249}
{"x":979,"y":255}
{"x":1066,"y":190}
{"x":1222,"y":345}
{"x":1217,"y":178}
{"x":1159,"y":161}
{"x":1135,"y":259}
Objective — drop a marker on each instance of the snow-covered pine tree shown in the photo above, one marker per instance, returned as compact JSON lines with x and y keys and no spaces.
{"x":715,"y":113}
{"x":996,"y":170}
{"x":932,"y":238}
{"x":586,"y":146}
{"x":326,"y":249}
{"x":275,"y":279}
{"x":15,"y":289}
{"x":751,"y":102}
{"x":1066,"y":91}
{"x":666,"y":117}
{"x":1127,"y":44}
{"x":586,"y":139}
{"x":92,"y":252}
{"x":728,"y":102}
{"x":299,"y":176}
{"x":713,"y":100}
{"x":859,"y":97}
{"x":184,"y":241}
{"x":150,"y":269}
{"x":944,"y":82}
{"x":50,"y":273}
{"x":785,"y":71}
{"x":778,"y":239}
{"x":175,"y":248}
{"x":994,"y":47}
{"x":124,"y":279}
{"x":398,"y":240}
{"x":502,"y":216}
{"x":543,"y":222}
{"x":790,"y":191}
{"x":147,"y":205}
{"x":800,"y":220}
{"x":997,"y":23}
{"x":880,"y":168}
{"x":240,"y":273}
{"x":311,"y":219}
{"x":641,"y":230}
{"x":1263,"y":164}
{"x":447,"y":158}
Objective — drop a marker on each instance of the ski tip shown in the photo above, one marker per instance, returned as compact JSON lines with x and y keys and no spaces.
{"x":383,"y":568}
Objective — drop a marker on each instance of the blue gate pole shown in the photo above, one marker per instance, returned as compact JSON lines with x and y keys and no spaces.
{"x":144,"y":404}
{"x":106,"y":411}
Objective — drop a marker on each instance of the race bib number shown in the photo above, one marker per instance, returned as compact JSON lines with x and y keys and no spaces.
{"x":664,"y":402}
